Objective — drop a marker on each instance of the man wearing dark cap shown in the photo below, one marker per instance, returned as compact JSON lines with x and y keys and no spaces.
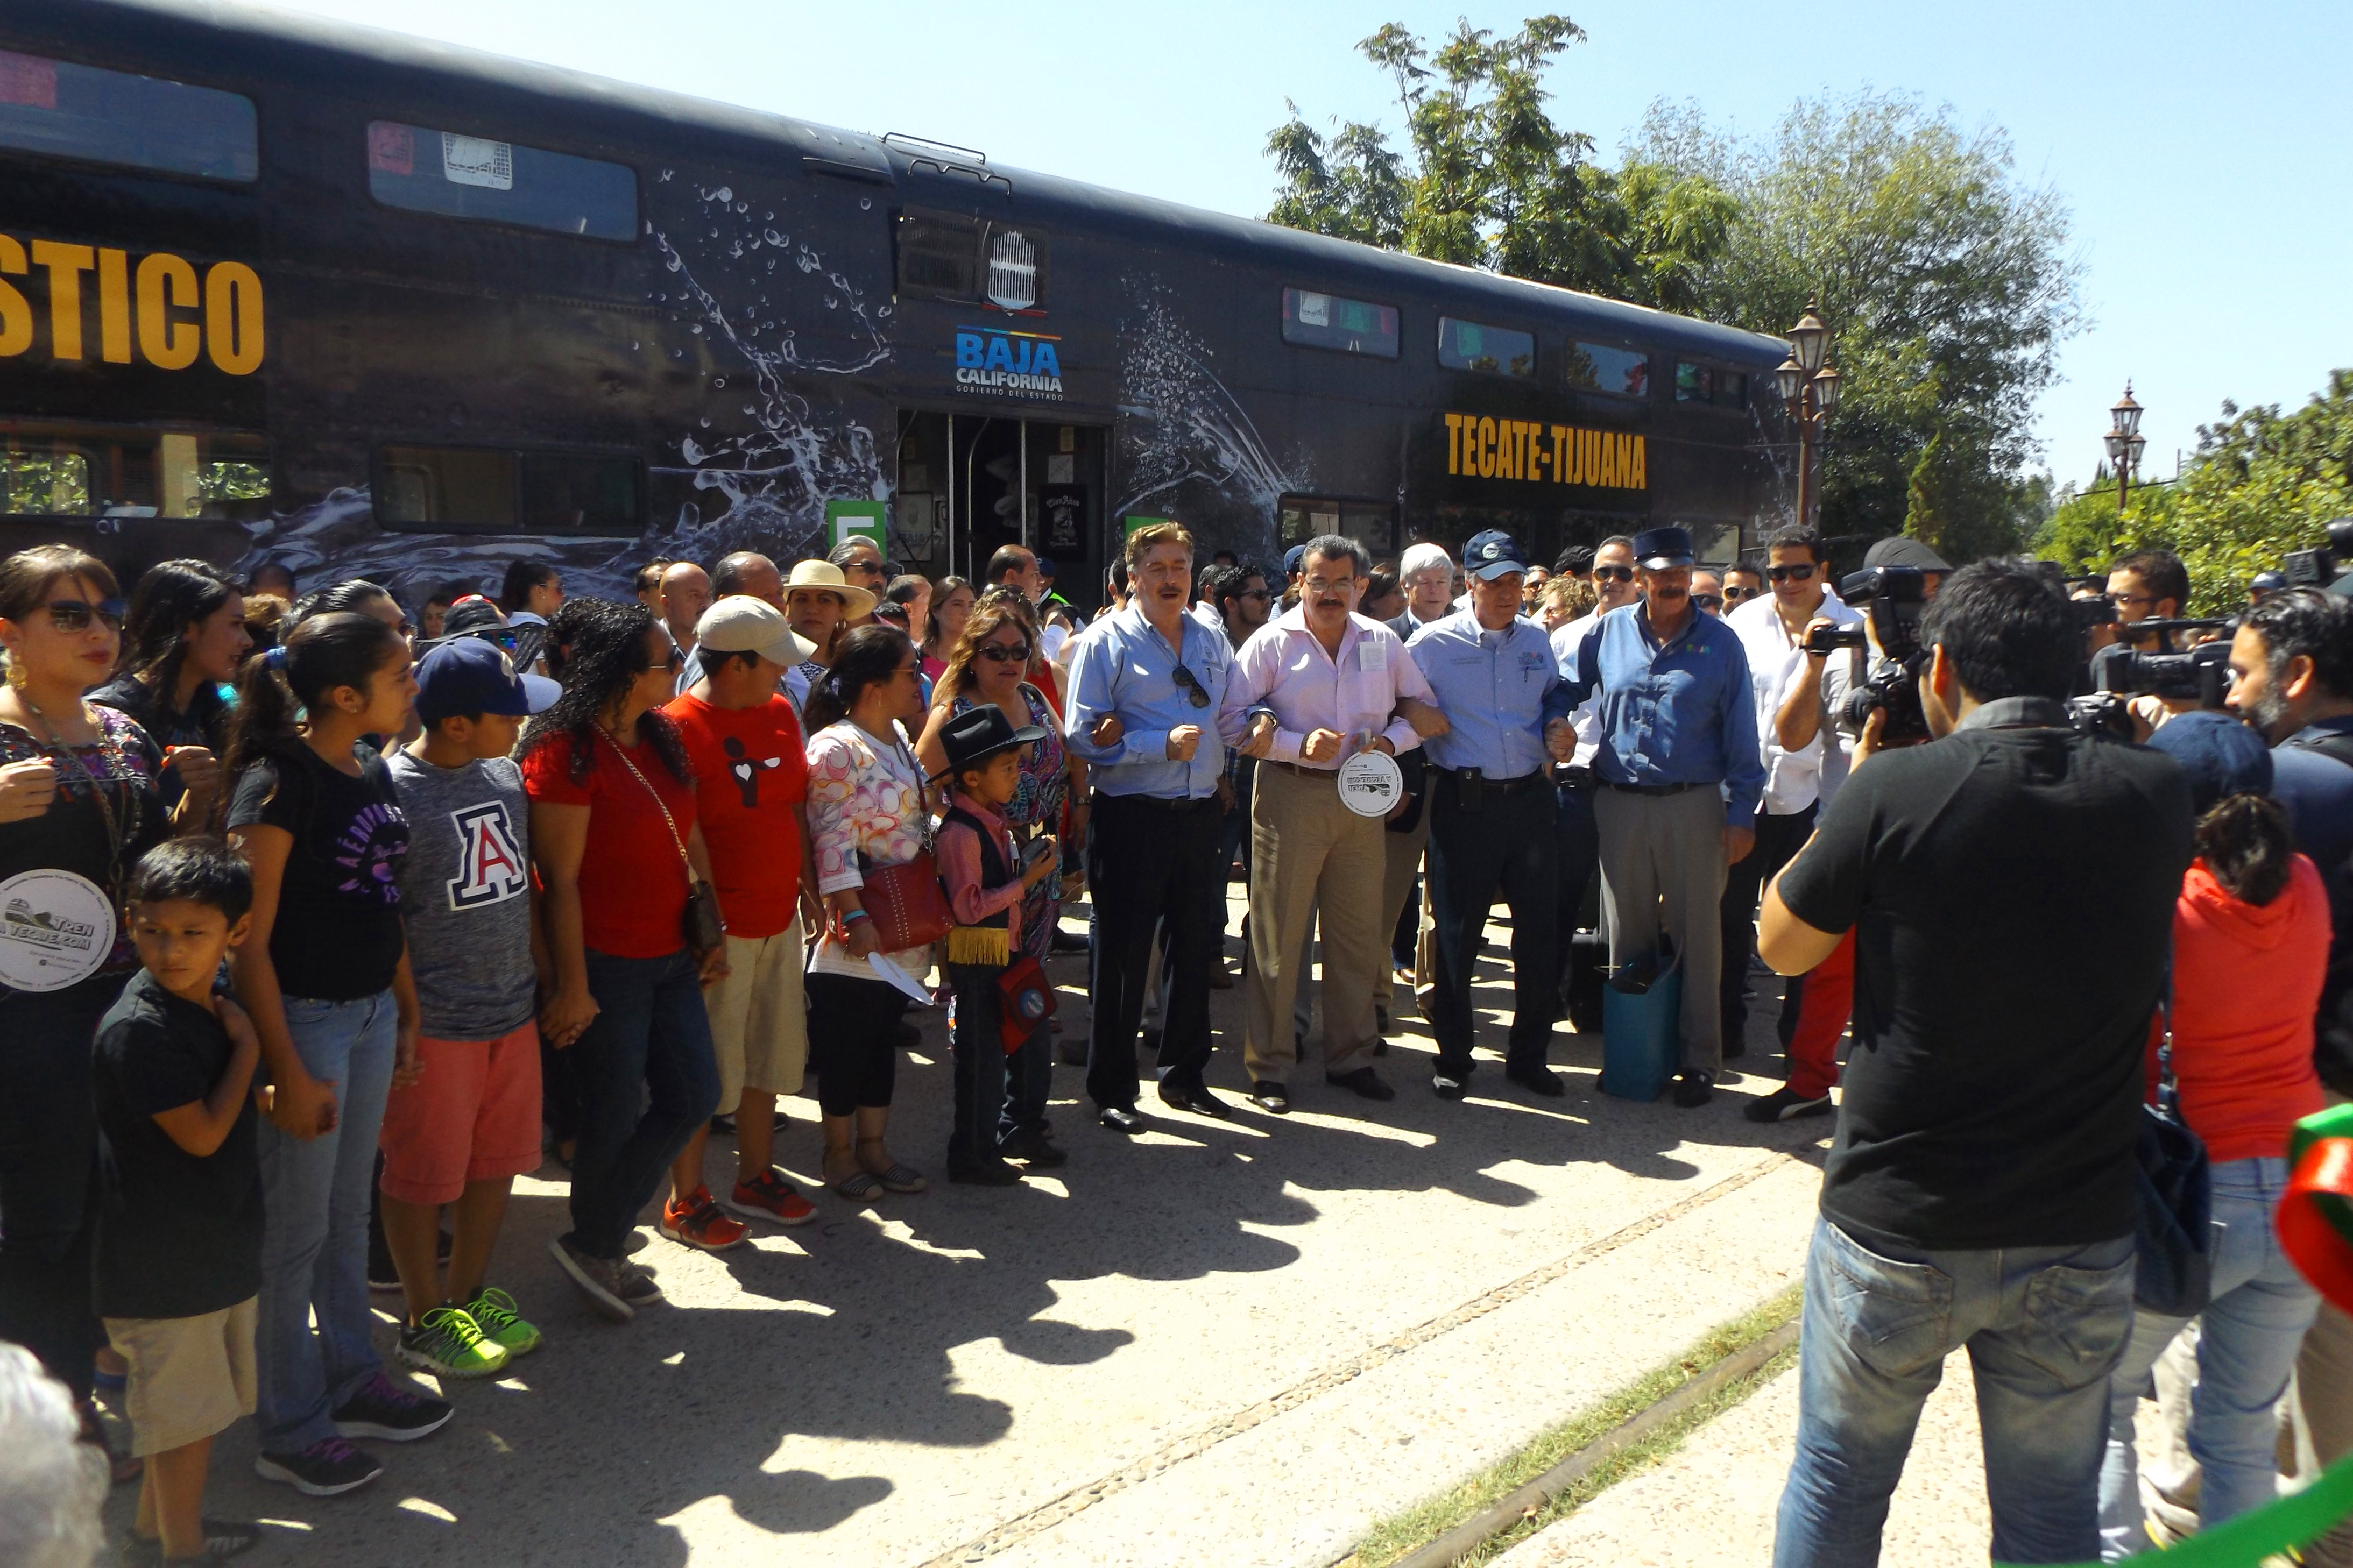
{"x":1490,"y":807}
{"x":1679,"y":780}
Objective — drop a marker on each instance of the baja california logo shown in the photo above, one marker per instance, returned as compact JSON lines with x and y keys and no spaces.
{"x":490,"y":863}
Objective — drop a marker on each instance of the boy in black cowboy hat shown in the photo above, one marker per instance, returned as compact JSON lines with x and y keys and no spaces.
{"x":984,"y":880}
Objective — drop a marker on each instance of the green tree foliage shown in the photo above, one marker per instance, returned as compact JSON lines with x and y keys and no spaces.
{"x":1947,"y":281}
{"x":1946,"y":284}
{"x":2261,"y":483}
{"x":1488,"y":180}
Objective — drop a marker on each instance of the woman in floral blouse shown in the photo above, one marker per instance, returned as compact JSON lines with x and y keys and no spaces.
{"x":866,"y":812}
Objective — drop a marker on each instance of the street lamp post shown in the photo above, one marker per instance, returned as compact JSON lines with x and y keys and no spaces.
{"x":1810,"y":390}
{"x":2124,"y":442}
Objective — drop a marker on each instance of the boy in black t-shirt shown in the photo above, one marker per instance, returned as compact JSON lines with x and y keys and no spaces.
{"x":178,"y":1247}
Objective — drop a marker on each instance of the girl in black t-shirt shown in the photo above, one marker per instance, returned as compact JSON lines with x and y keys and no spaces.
{"x":79,"y":805}
{"x":185,"y":640}
{"x":324,"y":976}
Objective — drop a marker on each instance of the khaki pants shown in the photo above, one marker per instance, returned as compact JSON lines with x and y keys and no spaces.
{"x":1662,"y":876}
{"x":1402,"y":859}
{"x":1309,"y":853}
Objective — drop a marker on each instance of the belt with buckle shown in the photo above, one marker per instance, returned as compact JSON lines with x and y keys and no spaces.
{"x":1653,"y":790}
{"x":1500,"y":786}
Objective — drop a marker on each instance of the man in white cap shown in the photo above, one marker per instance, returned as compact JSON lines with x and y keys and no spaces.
{"x":751,"y":780}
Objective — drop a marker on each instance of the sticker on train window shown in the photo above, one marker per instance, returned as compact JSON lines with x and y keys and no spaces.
{"x":474,"y":160}
{"x":485,"y":180}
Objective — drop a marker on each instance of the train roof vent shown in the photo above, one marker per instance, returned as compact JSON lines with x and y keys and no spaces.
{"x":944,"y":156}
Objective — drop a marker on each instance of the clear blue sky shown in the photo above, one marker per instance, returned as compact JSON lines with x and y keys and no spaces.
{"x":2199,"y":147}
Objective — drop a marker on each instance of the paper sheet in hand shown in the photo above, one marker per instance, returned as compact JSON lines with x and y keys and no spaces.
{"x":886,"y":970}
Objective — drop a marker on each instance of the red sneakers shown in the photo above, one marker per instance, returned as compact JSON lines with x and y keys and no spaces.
{"x":698,"y":1223}
{"x":769,"y":1196}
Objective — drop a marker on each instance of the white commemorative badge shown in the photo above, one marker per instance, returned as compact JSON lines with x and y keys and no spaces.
{"x":1371,"y":784}
{"x":56,"y":929}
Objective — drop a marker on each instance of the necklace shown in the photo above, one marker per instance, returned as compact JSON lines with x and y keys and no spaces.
{"x":118,"y":830}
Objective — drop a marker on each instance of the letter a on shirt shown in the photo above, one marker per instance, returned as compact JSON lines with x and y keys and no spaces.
{"x":490,"y":864}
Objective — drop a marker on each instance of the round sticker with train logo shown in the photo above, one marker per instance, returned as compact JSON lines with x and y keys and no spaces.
{"x":1371,"y":784}
{"x":55,"y":929}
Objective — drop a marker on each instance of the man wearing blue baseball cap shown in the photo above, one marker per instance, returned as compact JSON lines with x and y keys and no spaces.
{"x":1490,"y":810}
{"x":1680,"y":776}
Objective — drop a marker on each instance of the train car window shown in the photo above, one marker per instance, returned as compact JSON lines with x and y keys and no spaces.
{"x":456,"y":487}
{"x":939,"y":256}
{"x":1328,"y":322}
{"x":565,"y":493}
{"x":1731,"y":389}
{"x":68,"y":111}
{"x":103,"y":471}
{"x":1372,"y":524}
{"x":1694,"y":382}
{"x":461,"y":176}
{"x":1499,"y":351}
{"x":1607,"y":369}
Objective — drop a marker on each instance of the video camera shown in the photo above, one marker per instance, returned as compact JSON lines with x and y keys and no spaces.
{"x":1891,"y":598}
{"x":2119,"y":673}
{"x":2318,"y":568}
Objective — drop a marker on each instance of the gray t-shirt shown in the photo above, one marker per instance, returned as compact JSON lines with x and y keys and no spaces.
{"x":465,"y":893}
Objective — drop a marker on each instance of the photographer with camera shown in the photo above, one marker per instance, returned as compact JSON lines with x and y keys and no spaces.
{"x":1815,"y":1005}
{"x":1984,"y":1157}
{"x":1773,"y":632}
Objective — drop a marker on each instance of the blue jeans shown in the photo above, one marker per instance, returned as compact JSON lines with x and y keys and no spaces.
{"x":315,"y":1195}
{"x":2043,"y":1325}
{"x":646,"y":1079}
{"x":2254,"y":1326}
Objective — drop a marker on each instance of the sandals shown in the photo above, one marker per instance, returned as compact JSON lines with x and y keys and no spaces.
{"x":861,"y":1185}
{"x":903,"y":1179}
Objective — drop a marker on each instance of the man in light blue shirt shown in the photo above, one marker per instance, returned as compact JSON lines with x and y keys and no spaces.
{"x":1142,"y":710}
{"x":1680,"y":777}
{"x":1490,"y":810}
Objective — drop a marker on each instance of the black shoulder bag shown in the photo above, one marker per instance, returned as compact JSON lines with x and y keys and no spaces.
{"x":2173,"y":1240}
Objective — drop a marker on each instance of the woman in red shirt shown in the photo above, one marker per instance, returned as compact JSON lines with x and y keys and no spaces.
{"x":2249,"y":945}
{"x":614,"y":837}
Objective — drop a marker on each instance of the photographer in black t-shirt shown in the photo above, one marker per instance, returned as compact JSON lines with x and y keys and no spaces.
{"x":2010,"y":885}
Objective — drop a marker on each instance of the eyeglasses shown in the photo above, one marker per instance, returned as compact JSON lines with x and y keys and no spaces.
{"x":1791,"y":573}
{"x":868,"y":567}
{"x":1734,"y":593}
{"x":1707,"y":601}
{"x":73,"y":614}
{"x":1192,"y":685}
{"x":1327,"y":585}
{"x":1623,"y":573}
{"x":1004,"y":653}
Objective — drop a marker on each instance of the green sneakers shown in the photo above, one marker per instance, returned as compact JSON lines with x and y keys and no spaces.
{"x":449,"y":1343}
{"x":495,"y":1312}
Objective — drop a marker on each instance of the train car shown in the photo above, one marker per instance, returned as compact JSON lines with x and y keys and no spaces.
{"x":276,"y":288}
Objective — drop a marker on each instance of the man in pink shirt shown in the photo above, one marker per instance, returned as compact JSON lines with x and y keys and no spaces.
{"x":1313,"y":688}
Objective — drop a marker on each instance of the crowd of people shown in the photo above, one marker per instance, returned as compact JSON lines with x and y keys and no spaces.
{"x":324,"y":922}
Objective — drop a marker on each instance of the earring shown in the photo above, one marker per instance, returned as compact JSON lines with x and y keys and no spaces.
{"x":16,"y":675}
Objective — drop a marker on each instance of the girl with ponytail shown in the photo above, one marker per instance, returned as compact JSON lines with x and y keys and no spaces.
{"x":324,"y":976}
{"x":2251,"y":935}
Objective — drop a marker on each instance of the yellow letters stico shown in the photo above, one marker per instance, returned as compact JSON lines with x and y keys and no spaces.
{"x":1479,"y":447}
{"x":160,"y":308}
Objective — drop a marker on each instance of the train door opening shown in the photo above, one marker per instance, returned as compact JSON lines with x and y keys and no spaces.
{"x":968,"y":484}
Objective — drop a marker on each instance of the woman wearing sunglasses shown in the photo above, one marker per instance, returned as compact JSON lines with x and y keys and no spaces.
{"x":79,"y":803}
{"x":988,"y":665}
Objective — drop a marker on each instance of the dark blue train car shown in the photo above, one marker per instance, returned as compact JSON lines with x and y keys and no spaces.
{"x":276,"y":288}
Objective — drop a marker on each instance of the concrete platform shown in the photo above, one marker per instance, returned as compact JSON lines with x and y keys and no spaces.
{"x":1238,"y":1341}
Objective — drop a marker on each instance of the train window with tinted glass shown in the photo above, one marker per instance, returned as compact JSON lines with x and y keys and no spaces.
{"x":1623,"y":372}
{"x":94,"y":470}
{"x":1731,"y":389}
{"x":1694,"y":382}
{"x":1499,"y":351}
{"x":68,"y":111}
{"x":563,"y":493}
{"x":1329,"y":322}
{"x":462,"y":176}
{"x":445,"y":487}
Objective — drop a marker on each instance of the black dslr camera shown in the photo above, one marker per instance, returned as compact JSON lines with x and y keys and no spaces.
{"x":1891,"y":598}
{"x":2318,"y":568}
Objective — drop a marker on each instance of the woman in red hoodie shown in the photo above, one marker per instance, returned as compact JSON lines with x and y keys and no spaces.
{"x":2250,"y":942}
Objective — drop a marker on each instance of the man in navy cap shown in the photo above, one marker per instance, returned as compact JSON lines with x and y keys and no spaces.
{"x":1491,"y":809}
{"x":1680,"y":778}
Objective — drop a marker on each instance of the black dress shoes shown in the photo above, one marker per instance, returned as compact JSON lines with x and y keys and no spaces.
{"x":1695,"y":1089}
{"x":1536,"y":1079}
{"x":1363,"y":1082}
{"x":1270,"y":1097}
{"x":1192,"y":1098}
{"x":1122,"y":1119}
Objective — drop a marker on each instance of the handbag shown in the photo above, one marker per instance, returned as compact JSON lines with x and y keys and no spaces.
{"x":1026,"y":999}
{"x":905,"y":902}
{"x":701,"y":924}
{"x":2173,"y":1227}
